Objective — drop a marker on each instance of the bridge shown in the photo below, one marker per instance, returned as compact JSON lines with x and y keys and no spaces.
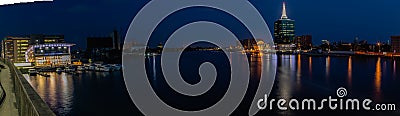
{"x":17,"y":97}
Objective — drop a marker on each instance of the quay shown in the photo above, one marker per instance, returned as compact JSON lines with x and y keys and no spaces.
{"x":17,"y":97}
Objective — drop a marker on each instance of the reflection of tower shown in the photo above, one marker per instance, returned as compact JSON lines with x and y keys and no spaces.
{"x":115,"y":39}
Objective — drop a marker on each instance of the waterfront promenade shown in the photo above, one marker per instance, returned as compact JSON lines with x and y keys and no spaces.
{"x":8,"y":107}
{"x":20,"y":98}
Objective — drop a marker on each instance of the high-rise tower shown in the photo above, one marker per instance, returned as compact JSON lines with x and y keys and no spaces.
{"x":284,"y":29}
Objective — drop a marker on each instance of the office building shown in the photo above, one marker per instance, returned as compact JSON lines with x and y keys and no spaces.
{"x":116,"y":40}
{"x":104,"y":43}
{"x":284,"y":29}
{"x":303,"y":42}
{"x":104,"y":48}
{"x":13,"y":48}
{"x":284,"y":32}
{"x":395,"y":42}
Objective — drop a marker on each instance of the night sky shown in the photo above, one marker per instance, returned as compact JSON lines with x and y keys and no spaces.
{"x":334,"y":20}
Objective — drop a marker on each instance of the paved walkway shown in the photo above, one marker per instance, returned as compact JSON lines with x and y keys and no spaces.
{"x":8,"y":107}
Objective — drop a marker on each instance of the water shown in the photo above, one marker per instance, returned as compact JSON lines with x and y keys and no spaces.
{"x":104,"y":93}
{"x":88,"y":93}
{"x":319,"y":77}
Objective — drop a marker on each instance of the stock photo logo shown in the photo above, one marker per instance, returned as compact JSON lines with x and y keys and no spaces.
{"x":332,"y":103}
{"x":153,"y":60}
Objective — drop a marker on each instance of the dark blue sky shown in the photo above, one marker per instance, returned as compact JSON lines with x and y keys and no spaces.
{"x":334,"y":20}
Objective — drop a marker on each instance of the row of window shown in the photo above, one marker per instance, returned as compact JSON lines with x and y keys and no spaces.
{"x":20,"y":41}
{"x":22,"y":45}
{"x":53,"y":60}
{"x":286,"y":24}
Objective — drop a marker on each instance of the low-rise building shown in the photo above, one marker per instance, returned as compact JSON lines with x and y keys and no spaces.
{"x":41,"y":50}
{"x":49,"y":55}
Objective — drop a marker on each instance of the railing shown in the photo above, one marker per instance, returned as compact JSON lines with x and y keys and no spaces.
{"x":2,"y":92}
{"x":29,"y":102}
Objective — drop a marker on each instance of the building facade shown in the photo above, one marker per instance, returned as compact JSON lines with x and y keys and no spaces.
{"x":284,"y":29}
{"x":46,"y":39}
{"x":14,"y":48}
{"x":49,"y":55}
{"x":105,"y":49}
{"x":284,"y":32}
{"x":116,"y":40}
{"x":395,"y":42}
{"x":303,"y":42}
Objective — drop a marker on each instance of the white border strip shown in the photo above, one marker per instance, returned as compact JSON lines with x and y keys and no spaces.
{"x":8,"y":2}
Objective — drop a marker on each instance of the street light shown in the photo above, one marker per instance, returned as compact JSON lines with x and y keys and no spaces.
{"x":379,"y":46}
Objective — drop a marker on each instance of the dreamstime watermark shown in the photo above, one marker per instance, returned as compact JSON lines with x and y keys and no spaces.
{"x":332,"y":103}
{"x":146,"y":23}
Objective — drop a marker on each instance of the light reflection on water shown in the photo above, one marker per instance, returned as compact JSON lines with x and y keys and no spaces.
{"x":394,"y":68}
{"x":310,"y":66}
{"x":86,"y":93}
{"x":57,"y":90}
{"x":298,"y":76}
{"x":349,"y":71}
{"x":327,"y":66}
{"x":285,"y":76}
{"x":378,"y":79}
{"x":363,"y":77}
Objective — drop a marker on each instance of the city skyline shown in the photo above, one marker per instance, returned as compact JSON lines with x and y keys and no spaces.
{"x":174,"y":57}
{"x":324,"y":20}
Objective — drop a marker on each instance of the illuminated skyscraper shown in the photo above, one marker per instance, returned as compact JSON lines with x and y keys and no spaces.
{"x":284,"y":29}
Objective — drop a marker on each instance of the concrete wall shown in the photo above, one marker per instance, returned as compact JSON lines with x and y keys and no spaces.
{"x":29,"y":102}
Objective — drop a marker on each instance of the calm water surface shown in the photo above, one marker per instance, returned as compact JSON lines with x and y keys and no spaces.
{"x":104,"y":93}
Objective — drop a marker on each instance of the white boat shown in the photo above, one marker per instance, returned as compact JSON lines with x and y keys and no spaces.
{"x":69,"y":69}
{"x":32,"y":72}
{"x":116,"y":66}
{"x":105,"y":68}
{"x":97,"y":67}
{"x":91,"y":67}
{"x":87,"y":66}
{"x":81,"y":68}
{"x":59,"y":70}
